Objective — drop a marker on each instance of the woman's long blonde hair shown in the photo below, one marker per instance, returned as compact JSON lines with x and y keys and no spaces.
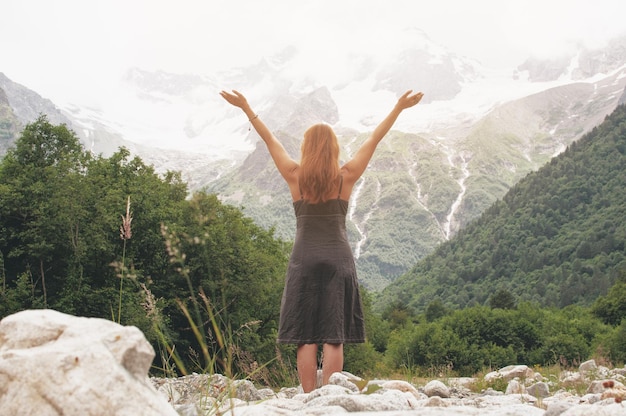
{"x":319,"y":163}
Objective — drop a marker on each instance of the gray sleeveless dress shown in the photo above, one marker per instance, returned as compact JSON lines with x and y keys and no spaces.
{"x":321,"y":301}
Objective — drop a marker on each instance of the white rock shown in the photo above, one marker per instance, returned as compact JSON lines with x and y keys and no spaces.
{"x":52,"y":363}
{"x":588,"y":368}
{"x":591,"y":398}
{"x":491,"y":392}
{"x":465,"y":382}
{"x":435,"y":401}
{"x":507,"y":400}
{"x":360,"y":403}
{"x":404,"y":399}
{"x":614,"y":409}
{"x":327,"y":390}
{"x":436,"y":388}
{"x":187,"y":410}
{"x":262,"y":409}
{"x":246,"y":391}
{"x":557,"y":408}
{"x":515,"y":387}
{"x":318,"y":411}
{"x":571,"y":400}
{"x":345,"y":380}
{"x":595,"y":387}
{"x":567,"y":373}
{"x":571,"y":379}
{"x":510,"y":372}
{"x":603,"y":371}
{"x":289,"y":392}
{"x":170,"y":393}
{"x":224,"y":405}
{"x":267,"y":393}
{"x":287,"y":404}
{"x":403,"y":386}
{"x":539,"y":390}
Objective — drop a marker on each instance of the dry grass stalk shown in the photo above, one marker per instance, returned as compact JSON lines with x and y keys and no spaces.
{"x":125,"y":230}
{"x":125,"y":235}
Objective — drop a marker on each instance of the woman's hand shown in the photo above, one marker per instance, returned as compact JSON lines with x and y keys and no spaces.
{"x":407,"y":100}
{"x":236,"y":98}
{"x":287,"y":167}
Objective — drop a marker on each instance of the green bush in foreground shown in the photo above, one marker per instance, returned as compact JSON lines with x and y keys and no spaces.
{"x":479,"y":337}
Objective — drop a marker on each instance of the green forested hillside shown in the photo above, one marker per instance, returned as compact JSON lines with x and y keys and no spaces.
{"x":421,"y":188}
{"x":556,"y":238}
{"x":61,"y":247}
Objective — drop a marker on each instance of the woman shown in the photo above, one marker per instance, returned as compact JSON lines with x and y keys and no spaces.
{"x":321,"y":302}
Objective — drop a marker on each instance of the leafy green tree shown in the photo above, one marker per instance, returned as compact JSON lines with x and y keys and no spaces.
{"x":40,"y":177}
{"x":397,"y":314}
{"x":427,"y":345}
{"x":376,"y":328}
{"x":435,"y":310}
{"x":612,"y":307}
{"x":60,"y":216}
{"x":479,"y":337}
{"x":238,"y":266}
{"x":502,"y":299}
{"x":614,"y":344}
{"x":362,"y":360}
{"x":20,"y":296}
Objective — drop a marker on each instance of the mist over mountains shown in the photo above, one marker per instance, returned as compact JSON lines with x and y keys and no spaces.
{"x":475,"y":134}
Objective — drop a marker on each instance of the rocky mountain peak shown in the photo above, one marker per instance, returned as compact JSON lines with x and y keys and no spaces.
{"x":27,"y":105}
{"x":4,"y":100}
{"x":315,"y":107}
{"x":582,"y":64}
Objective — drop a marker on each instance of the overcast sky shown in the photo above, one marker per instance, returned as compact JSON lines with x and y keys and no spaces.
{"x":63,"y":48}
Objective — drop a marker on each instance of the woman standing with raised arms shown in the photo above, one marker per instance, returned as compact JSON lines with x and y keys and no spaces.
{"x":321,"y":302}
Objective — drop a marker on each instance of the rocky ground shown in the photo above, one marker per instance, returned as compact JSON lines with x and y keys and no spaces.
{"x":54,"y":364}
{"x":591,"y":391}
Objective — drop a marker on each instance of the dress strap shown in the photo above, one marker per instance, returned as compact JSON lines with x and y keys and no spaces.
{"x":300,"y":189}
{"x":340,"y":186}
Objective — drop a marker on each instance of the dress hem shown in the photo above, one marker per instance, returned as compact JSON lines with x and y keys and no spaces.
{"x":324,"y":341}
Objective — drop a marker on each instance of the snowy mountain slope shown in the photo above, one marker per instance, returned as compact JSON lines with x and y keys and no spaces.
{"x":475,"y":134}
{"x":422,"y":187}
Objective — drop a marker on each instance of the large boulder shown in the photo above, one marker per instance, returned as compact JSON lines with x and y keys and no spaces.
{"x":57,"y":364}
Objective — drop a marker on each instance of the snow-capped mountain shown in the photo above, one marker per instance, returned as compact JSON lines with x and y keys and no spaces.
{"x":476,"y":132}
{"x":185,"y":112}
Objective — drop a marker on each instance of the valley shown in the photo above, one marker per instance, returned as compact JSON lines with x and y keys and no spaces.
{"x":475,"y":135}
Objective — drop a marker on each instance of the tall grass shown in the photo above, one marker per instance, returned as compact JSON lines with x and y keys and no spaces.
{"x":216,"y":338}
{"x":215,"y":347}
{"x":125,"y":235}
{"x":216,"y":344}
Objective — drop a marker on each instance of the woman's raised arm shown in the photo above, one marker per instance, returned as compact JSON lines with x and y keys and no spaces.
{"x":286,"y":165}
{"x":354,"y":168}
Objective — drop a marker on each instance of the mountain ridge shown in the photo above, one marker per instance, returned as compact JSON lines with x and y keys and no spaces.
{"x":483,"y":161}
{"x":445,"y":162}
{"x":556,"y":238}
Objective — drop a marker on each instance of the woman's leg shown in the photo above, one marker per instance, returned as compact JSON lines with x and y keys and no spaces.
{"x":307,"y":366}
{"x":332,"y":361}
